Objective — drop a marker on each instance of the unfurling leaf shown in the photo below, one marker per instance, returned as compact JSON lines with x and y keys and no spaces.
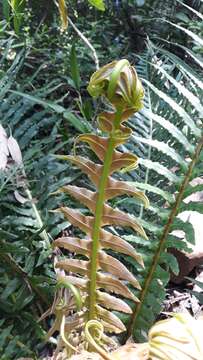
{"x":90,"y":268}
{"x":119,"y":83}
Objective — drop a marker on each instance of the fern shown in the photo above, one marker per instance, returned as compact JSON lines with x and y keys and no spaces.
{"x":99,"y":269}
{"x":174,"y":144}
{"x":39,"y":124}
{"x":165,"y":137}
{"x":27,"y":279}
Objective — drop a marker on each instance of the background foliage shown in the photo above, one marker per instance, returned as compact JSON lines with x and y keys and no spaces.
{"x":51,"y":69}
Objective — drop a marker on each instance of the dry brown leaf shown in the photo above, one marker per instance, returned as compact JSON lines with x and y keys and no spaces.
{"x":81,"y":283}
{"x":116,"y":243}
{"x":114,"y":285}
{"x":99,"y":146}
{"x":115,"y":267}
{"x":87,"y":166}
{"x":110,"y":318}
{"x":110,"y":216}
{"x":73,"y":265}
{"x":111,"y":302}
{"x":97,"y":143}
{"x":77,"y":219}
{"x":73,"y":244}
{"x":119,"y":218}
{"x":116,"y":188}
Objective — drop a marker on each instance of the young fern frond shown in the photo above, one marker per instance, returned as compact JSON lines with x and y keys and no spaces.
{"x":103,"y":273}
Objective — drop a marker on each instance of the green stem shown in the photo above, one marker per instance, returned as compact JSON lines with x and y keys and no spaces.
{"x":97,"y":226}
{"x":98,"y":217}
{"x":163,"y":239}
{"x":43,"y":234}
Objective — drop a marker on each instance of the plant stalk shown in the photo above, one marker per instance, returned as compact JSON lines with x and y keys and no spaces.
{"x":98,"y":218}
{"x":163,"y":238}
{"x":44,"y":234}
{"x":87,"y":42}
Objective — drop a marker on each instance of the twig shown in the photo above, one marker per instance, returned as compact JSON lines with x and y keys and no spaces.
{"x":86,"y":41}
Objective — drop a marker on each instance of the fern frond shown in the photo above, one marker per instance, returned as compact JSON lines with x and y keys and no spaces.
{"x":159,"y":256}
{"x":92,"y":261}
{"x":26,"y":277}
{"x":175,"y":91}
{"x":107,"y":240}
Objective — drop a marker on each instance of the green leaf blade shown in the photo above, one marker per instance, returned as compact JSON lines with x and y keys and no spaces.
{"x":99,"y":4}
